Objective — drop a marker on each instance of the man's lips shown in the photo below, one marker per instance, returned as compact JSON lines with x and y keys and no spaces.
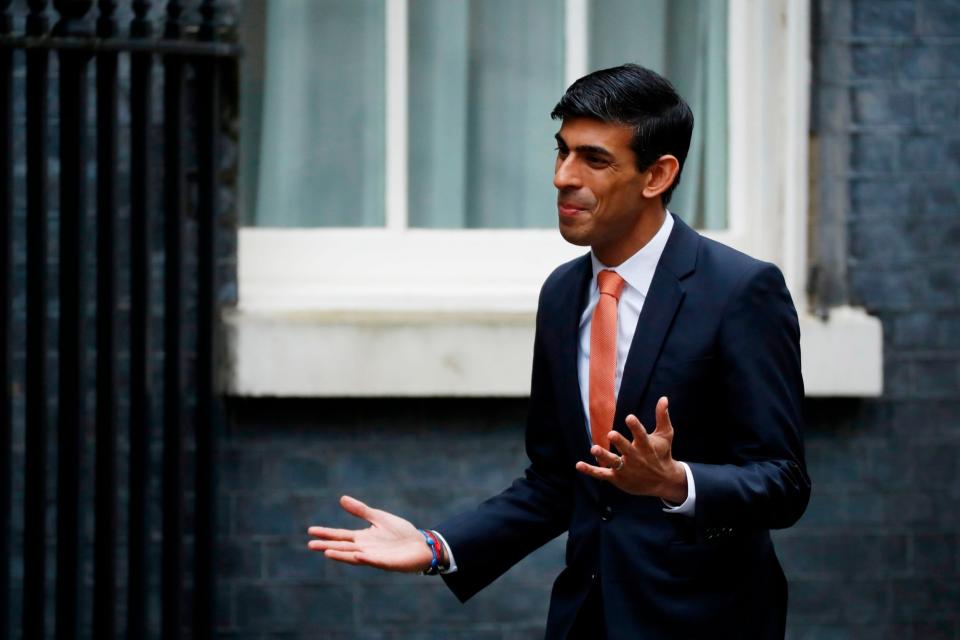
{"x":569,"y":208}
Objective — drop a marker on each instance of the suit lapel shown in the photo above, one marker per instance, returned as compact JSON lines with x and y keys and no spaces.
{"x":570,"y":308}
{"x":659,"y":309}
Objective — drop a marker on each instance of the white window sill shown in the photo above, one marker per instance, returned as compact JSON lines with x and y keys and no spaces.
{"x":287,"y":353}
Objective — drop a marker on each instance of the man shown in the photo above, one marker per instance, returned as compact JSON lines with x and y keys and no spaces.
{"x":669,"y":527}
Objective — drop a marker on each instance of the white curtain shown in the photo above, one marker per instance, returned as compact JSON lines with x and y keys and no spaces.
{"x":483,"y":78}
{"x":685,"y":40}
{"x":484,"y":75}
{"x":322,"y":131}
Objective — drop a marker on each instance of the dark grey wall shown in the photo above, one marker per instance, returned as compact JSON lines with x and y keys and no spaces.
{"x":877,"y":553}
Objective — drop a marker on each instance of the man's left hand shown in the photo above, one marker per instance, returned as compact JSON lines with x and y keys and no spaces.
{"x":645,"y":466}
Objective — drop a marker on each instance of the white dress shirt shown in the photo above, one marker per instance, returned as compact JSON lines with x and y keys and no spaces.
{"x":637,"y":272}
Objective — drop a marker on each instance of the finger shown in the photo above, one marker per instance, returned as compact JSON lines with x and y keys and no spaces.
{"x":336,"y":545}
{"x":349,"y":557}
{"x":331,"y":534}
{"x":639,"y":432}
{"x":595,"y":472}
{"x":621,"y":443}
{"x":664,"y":426}
{"x":356,"y":508}
{"x":604,"y":457}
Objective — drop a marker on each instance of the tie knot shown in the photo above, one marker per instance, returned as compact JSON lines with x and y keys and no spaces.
{"x":610,"y":283}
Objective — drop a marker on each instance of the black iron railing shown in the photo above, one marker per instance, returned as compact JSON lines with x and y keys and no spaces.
{"x":88,"y":40}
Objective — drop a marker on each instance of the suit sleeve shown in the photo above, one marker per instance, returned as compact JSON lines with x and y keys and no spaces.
{"x":766,"y":485}
{"x":501,"y":531}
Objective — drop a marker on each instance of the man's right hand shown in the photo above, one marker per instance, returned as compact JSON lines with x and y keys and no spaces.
{"x":389,"y":543}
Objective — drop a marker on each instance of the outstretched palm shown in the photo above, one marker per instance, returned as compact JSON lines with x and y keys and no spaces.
{"x":390,"y":542}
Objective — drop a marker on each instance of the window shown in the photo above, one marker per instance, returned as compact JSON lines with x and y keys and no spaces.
{"x":402,"y":208}
{"x":481,"y":77}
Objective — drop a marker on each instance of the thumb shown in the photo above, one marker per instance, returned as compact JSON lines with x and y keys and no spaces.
{"x":664,"y":426}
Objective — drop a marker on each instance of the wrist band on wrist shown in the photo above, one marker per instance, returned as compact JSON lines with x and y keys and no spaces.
{"x":435,"y":561}
{"x":441,"y":551}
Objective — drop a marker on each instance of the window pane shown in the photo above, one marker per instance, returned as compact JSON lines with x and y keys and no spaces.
{"x":322,"y":125}
{"x":685,"y":40}
{"x":484,"y":76}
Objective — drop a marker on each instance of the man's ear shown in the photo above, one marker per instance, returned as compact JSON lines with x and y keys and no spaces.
{"x":663,"y":172}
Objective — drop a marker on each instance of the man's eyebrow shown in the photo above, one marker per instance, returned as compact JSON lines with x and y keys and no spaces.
{"x":584,"y":148}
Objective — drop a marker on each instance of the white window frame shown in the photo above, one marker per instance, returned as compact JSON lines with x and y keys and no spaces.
{"x":402,"y":311}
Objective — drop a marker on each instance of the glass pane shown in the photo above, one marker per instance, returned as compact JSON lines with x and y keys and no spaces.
{"x":322,"y":122}
{"x":686,"y":41}
{"x":484,"y":76}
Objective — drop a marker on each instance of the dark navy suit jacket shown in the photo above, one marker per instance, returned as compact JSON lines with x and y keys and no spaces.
{"x":718,"y":335}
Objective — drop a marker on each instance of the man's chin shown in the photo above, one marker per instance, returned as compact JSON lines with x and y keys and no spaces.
{"x":571,"y":235}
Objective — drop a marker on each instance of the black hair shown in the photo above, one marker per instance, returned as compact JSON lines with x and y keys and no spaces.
{"x":634,"y":96}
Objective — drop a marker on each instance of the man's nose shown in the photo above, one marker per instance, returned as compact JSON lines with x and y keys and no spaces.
{"x":565,"y":175}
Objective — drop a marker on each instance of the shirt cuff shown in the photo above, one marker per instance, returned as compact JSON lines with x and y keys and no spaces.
{"x":448,"y":552}
{"x":688,"y":506}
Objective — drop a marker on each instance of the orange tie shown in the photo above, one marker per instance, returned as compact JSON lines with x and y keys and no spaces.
{"x":603,"y":357}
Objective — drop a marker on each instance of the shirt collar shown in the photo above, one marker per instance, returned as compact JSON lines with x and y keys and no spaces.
{"x":637,"y":270}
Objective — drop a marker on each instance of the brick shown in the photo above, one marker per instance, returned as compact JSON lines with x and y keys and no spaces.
{"x":814,"y":601}
{"x":915,"y":330}
{"x":238,"y":558}
{"x":936,"y":554}
{"x":865,"y":602}
{"x":836,"y":462}
{"x":291,"y":560}
{"x":880,"y":290}
{"x":939,"y":18}
{"x":932,"y":598}
{"x":294,"y":608}
{"x":884,"y":18}
{"x":887,"y":107}
{"x":937,"y":376}
{"x":284,"y":514}
{"x":938,"y":464}
{"x":873,"y":631}
{"x":936,"y":629}
{"x":939,"y":109}
{"x":869,"y":239}
{"x":874,"y":153}
{"x":873,"y":61}
{"x":843,"y":555}
{"x":938,"y":198}
{"x":837,"y":510}
{"x":298,"y":471}
{"x":879,"y":196}
{"x":930,"y":62}
{"x":930,"y":154}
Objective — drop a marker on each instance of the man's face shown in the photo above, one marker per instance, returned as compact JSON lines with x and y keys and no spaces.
{"x":599,"y":190}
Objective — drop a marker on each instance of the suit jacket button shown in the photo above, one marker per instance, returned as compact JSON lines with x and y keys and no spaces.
{"x":607,"y":514}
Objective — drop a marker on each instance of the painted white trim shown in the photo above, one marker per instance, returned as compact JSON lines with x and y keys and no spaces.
{"x":395,"y":193}
{"x":474,"y":354}
{"x":797,"y":71}
{"x":576,"y":40}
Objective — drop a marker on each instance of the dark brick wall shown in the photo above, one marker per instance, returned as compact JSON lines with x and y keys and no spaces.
{"x":877,"y":554}
{"x":285,"y":463}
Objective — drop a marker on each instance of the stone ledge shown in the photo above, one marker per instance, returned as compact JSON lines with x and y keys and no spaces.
{"x":421,"y":354}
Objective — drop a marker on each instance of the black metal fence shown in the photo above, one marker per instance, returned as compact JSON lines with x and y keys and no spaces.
{"x":84,"y":41}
